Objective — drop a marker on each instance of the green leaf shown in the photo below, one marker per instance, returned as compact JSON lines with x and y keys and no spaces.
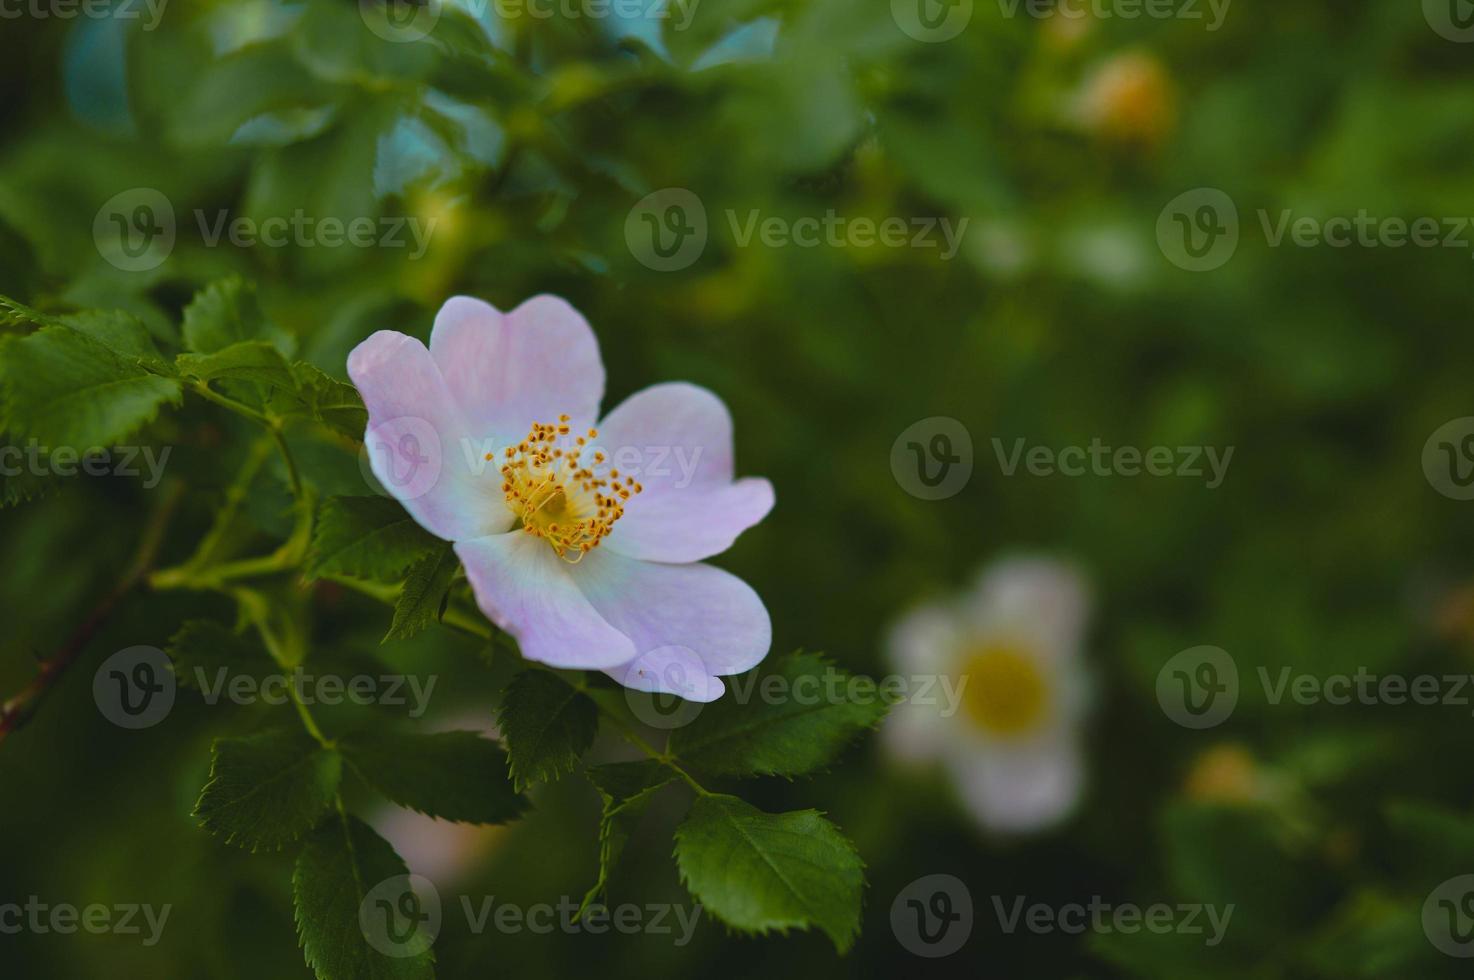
{"x":324,"y":399}
{"x":760,"y":871}
{"x":426,"y":585}
{"x":797,"y":733}
{"x":1238,"y":855}
{"x":366,"y":537}
{"x":338,"y":867}
{"x":63,"y":388}
{"x":267,"y":790}
{"x":250,"y":360}
{"x":205,"y":653}
{"x":19,"y":483}
{"x":457,"y":776}
{"x":626,"y":788}
{"x":547,"y":726}
{"x":222,"y":314}
{"x":122,"y":333}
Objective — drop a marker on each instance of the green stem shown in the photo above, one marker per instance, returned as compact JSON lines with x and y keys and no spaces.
{"x":240,"y":408}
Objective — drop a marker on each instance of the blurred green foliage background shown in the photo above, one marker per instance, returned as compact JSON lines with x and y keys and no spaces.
{"x":1060,"y":320}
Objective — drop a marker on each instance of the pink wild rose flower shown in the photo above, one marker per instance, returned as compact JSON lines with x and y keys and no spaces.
{"x":581,"y":538}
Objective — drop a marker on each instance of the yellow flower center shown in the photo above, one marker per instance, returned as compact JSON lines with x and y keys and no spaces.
{"x":570,"y":503}
{"x":1006,"y":694}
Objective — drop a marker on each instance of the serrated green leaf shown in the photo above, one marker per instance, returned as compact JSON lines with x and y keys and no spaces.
{"x":761,"y":871}
{"x":547,"y":725}
{"x":206,"y":654}
{"x":801,"y":731}
{"x":122,"y":333}
{"x":269,"y":789}
{"x":18,"y":483}
{"x":324,"y":399}
{"x":250,"y":360}
{"x":626,"y":788}
{"x":426,"y":585}
{"x":225,"y":313}
{"x":366,"y":537}
{"x":338,"y":867}
{"x":457,"y":776}
{"x":63,"y":388}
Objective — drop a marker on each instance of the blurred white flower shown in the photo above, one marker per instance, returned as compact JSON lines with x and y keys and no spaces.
{"x":1009,"y":651}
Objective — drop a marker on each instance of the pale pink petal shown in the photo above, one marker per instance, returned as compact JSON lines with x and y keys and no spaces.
{"x":416,"y":440}
{"x":702,"y":608}
{"x":670,"y":670}
{"x":676,"y":440}
{"x":692,"y":524}
{"x":508,"y":370}
{"x":526,"y":589}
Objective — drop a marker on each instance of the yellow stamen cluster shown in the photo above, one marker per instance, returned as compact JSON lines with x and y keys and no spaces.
{"x":570,"y":504}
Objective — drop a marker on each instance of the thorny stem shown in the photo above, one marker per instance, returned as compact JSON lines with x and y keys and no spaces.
{"x":19,"y":709}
